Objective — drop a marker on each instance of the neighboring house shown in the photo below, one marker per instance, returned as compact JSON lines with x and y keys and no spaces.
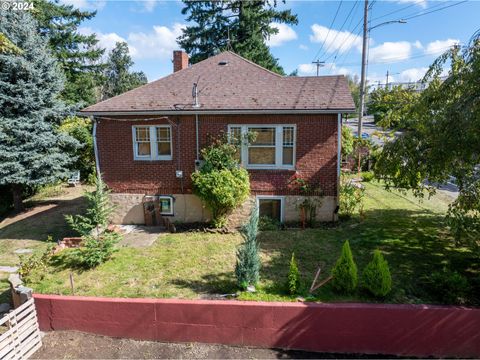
{"x":148,"y":140}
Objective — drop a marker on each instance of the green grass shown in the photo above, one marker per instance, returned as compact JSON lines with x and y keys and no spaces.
{"x":411,"y":235}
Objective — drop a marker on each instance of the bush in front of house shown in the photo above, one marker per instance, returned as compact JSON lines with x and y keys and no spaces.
{"x":376,"y":276}
{"x":344,"y":273}
{"x":367,"y":176}
{"x":449,"y":287}
{"x":293,"y":279}
{"x":98,"y":243}
{"x":266,"y":223}
{"x":220,"y":182}
{"x":247,"y":267}
{"x":351,"y":197}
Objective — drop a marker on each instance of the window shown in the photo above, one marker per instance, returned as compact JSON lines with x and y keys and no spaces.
{"x":152,"y":142}
{"x":273,"y":146}
{"x":270,"y":206}
{"x":166,"y":205}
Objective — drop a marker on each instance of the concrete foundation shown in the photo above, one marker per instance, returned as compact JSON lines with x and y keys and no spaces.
{"x":189,"y":208}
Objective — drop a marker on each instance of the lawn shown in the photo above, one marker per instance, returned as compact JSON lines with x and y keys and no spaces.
{"x":411,"y":235}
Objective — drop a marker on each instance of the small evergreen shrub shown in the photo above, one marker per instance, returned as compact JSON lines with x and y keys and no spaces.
{"x":376,"y":276}
{"x":93,"y":251}
{"x":449,"y":287}
{"x":293,"y":280}
{"x":344,"y":273}
{"x":247,"y":267}
{"x":367,"y":176}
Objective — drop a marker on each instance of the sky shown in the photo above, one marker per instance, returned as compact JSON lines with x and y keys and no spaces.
{"x":404,"y":50}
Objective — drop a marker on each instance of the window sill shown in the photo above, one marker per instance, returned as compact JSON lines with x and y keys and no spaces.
{"x":285,"y":168}
{"x":152,"y":160}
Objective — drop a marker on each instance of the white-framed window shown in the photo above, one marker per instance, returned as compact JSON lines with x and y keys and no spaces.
{"x":273,"y":146}
{"x":271,"y":206}
{"x":166,"y":205}
{"x":152,"y":142}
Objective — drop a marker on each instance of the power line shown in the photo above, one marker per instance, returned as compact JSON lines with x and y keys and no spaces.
{"x":328,"y":32}
{"x":394,"y":12}
{"x":432,"y":11}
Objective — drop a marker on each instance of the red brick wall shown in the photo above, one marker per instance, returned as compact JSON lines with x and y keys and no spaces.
{"x":316,"y":154}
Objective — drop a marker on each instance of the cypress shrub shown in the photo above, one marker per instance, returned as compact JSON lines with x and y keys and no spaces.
{"x":376,"y":276}
{"x":344,"y":273}
{"x":293,"y":280}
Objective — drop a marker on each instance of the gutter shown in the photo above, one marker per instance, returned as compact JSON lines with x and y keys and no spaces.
{"x":196,"y":137}
{"x":216,"y":112}
{"x":95,"y":148}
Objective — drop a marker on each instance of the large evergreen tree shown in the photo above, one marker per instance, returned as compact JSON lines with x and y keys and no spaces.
{"x":78,"y":54}
{"x":32,"y":152}
{"x":238,"y":25}
{"x":118,"y":77}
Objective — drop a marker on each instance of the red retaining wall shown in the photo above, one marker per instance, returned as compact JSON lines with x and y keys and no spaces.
{"x":411,"y":330}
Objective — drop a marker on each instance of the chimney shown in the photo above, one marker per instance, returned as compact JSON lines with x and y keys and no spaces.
{"x":180,"y":60}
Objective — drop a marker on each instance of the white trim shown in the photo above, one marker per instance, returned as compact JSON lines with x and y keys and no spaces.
{"x":216,"y":112}
{"x":153,"y":143}
{"x":95,"y":148}
{"x":278,"y":146}
{"x":172,"y":212}
{"x":272,"y":197}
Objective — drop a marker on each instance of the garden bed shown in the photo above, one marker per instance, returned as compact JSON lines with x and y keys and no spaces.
{"x":193,"y":265}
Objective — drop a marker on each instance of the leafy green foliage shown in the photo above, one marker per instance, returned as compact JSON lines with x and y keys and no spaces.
{"x":293,"y":279}
{"x":266,"y":223}
{"x":376,"y":276}
{"x":240,"y":26}
{"x":247,"y":267}
{"x":35,"y":261}
{"x":391,"y":108}
{"x":81,"y":130}
{"x":118,"y":78}
{"x":32,"y":152}
{"x":312,"y":199}
{"x":347,"y":141}
{"x":7,"y":47}
{"x":367,"y":176}
{"x":344,"y":273}
{"x":351,"y":197}
{"x":354,"y":85}
{"x":97,"y":215}
{"x":443,"y":139}
{"x":449,"y":286}
{"x":95,"y":250}
{"x":221,"y":183}
{"x":78,"y":53}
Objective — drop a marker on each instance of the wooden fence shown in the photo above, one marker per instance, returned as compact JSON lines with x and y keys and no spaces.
{"x":22,"y":336}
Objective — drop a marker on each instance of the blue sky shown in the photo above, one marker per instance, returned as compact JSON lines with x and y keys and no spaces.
{"x":405,"y":50}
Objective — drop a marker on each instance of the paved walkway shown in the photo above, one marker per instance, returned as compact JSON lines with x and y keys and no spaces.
{"x":141,"y":236}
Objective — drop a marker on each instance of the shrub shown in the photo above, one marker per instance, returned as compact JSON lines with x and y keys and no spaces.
{"x":266,"y":223}
{"x":247,"y":267}
{"x":29,"y":263}
{"x":293,"y":280}
{"x":222,"y":191}
{"x":376,"y":276}
{"x":344,"y":273}
{"x":449,"y":286}
{"x":95,"y":251}
{"x":367,"y":176}
{"x":351,"y":198}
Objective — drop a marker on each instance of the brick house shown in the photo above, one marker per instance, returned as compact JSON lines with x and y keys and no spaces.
{"x":148,"y":139}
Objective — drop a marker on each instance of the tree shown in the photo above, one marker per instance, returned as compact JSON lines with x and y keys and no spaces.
{"x":376,"y":276}
{"x":240,"y":26}
{"x":392,"y":108}
{"x":78,"y":54}
{"x":32,"y":152}
{"x":6,"y":46}
{"x":118,"y":78}
{"x":293,"y":278}
{"x":247,"y":267}
{"x":344,"y":273}
{"x":347,"y":141}
{"x":354,"y":85}
{"x":443,"y":140}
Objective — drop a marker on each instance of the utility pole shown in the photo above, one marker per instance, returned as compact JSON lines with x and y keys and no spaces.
{"x":319,"y":64}
{"x":386,"y":84}
{"x":362,"y":81}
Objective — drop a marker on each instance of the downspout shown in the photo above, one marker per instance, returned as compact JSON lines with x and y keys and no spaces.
{"x":196,"y":137}
{"x":95,"y":148}
{"x":339,"y":161}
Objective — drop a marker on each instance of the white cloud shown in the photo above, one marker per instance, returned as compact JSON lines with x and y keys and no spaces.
{"x":307,"y":69}
{"x":158,"y":43}
{"x":439,"y":46}
{"x":421,"y":3}
{"x":303,"y":47}
{"x":285,"y":34}
{"x":413,"y":74}
{"x":86,"y":4}
{"x":400,"y":50}
{"x":336,"y":40}
{"x":106,"y":41}
{"x":148,"y":5}
{"x":328,"y":68}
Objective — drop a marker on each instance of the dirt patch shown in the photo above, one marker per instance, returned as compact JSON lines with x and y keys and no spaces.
{"x":77,"y":345}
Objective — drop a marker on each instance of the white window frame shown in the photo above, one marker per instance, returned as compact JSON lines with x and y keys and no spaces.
{"x":153,"y":143}
{"x":273,"y":197}
{"x":278,"y":146}
{"x":161,"y":197}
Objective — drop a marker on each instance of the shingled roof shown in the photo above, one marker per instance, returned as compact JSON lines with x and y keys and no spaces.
{"x":228,"y":82}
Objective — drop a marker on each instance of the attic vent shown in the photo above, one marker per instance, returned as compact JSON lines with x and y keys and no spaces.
{"x":223,"y":63}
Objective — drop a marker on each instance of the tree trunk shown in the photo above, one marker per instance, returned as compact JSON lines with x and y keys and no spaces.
{"x":17,"y":197}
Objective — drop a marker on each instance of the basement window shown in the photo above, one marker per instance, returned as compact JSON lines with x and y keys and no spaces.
{"x":152,"y":142}
{"x":166,"y":205}
{"x":271,"y":207}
